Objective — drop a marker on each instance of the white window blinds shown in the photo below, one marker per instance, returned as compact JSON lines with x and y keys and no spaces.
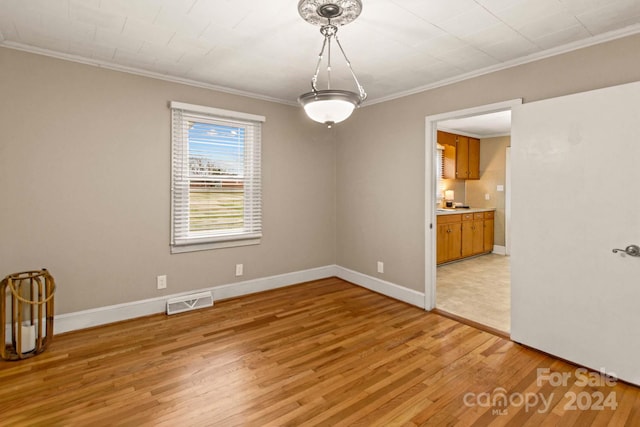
{"x":215,"y":180}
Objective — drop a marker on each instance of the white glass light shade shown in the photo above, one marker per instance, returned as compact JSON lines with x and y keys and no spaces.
{"x":449,"y":195}
{"x":329,"y":106}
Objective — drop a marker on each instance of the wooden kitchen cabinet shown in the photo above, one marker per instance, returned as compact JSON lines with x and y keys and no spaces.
{"x":489,"y":219}
{"x":467,"y":157}
{"x":460,"y":156}
{"x":448,"y":141}
{"x":464,"y":235}
{"x":473,"y":158}
{"x":449,"y":238}
{"x":472,"y":234}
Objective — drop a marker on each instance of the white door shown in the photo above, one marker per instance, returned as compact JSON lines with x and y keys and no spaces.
{"x":576,"y":177}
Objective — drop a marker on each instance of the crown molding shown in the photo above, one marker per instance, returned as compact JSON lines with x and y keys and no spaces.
{"x":559,"y":50}
{"x":580,"y":44}
{"x":138,"y":71}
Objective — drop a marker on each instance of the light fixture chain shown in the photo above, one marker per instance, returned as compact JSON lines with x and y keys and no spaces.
{"x":314,"y":79}
{"x":363,"y":94}
{"x":328,"y":38}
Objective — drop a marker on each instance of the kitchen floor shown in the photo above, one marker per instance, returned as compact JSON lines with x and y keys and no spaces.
{"x":478,"y":289}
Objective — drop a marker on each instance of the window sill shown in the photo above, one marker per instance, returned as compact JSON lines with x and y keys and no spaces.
{"x":213,"y":245}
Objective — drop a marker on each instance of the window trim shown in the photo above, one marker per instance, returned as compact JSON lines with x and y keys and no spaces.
{"x":223,"y":241}
{"x":216,"y":112}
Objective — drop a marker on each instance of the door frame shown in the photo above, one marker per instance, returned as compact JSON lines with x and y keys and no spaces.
{"x":431,"y":123}
{"x":507,"y":203}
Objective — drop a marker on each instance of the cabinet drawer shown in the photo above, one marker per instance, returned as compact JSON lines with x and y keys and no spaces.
{"x":489,"y":215}
{"x":467,"y":217}
{"x":448,"y":219}
{"x":479,"y":215}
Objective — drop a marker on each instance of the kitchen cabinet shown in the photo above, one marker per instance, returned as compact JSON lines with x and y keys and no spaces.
{"x":460,"y":156}
{"x":474,"y":158}
{"x":488,"y":231}
{"x":467,"y":157}
{"x":472,"y":234}
{"x":464,"y":235}
{"x":449,"y":238}
{"x":448,"y":141}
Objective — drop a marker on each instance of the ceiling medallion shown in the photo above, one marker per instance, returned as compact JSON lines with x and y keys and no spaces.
{"x":319,"y":12}
{"x":330,"y":106}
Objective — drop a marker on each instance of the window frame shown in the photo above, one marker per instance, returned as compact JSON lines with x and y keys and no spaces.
{"x":181,"y":242}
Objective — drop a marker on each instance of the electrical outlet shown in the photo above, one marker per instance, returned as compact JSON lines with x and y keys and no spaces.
{"x":487,"y":196}
{"x":500,"y":187}
{"x":380,"y":267}
{"x":161,"y":282}
{"x":239,"y":270}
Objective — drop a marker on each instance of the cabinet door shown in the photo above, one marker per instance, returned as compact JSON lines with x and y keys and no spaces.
{"x":462,"y":157}
{"x":478,"y":237}
{"x":468,"y":238}
{"x":449,"y":162}
{"x":446,"y":138}
{"x":448,"y":141}
{"x":441,"y":243}
{"x":449,"y":235}
{"x":488,"y":234}
{"x":454,"y":241}
{"x":448,"y":243}
{"x":474,"y":159}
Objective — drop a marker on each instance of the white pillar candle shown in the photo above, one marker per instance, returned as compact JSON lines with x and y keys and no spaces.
{"x":28,"y":338}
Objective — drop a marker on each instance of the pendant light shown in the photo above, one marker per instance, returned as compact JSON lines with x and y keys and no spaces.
{"x":329,"y":105}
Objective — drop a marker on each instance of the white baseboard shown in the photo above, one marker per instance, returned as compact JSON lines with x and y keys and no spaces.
{"x":499,"y":250}
{"x":382,"y":286}
{"x":273,"y":282}
{"x":115,"y":313}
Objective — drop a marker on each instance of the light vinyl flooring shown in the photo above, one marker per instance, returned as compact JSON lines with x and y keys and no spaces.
{"x":478,"y":289}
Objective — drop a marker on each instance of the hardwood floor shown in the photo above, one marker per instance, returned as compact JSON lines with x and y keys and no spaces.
{"x":320,"y":353}
{"x":478,"y":289}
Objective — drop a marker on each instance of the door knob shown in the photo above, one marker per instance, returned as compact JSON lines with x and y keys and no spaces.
{"x":632,"y":250}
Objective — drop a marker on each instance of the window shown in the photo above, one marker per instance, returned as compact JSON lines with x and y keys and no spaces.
{"x":215,"y":179}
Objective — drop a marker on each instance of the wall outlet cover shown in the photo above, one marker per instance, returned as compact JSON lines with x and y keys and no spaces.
{"x":161,"y":282}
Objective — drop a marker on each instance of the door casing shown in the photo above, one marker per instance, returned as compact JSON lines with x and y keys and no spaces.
{"x":431,"y":183}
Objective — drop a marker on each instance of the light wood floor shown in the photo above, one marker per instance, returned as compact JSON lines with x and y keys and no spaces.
{"x":478,"y":289}
{"x":321,"y":353}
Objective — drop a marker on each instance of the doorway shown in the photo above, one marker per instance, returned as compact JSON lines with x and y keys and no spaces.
{"x":476,"y":288}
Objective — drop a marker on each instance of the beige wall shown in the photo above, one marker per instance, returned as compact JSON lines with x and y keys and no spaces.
{"x":381,"y":153}
{"x":493,"y":161}
{"x":85,"y":174}
{"x":459,"y":189}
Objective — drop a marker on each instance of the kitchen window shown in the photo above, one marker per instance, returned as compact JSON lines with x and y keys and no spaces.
{"x":215,"y":178}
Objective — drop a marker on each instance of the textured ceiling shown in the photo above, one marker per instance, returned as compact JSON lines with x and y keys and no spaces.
{"x":263,"y":47}
{"x":481,"y":126}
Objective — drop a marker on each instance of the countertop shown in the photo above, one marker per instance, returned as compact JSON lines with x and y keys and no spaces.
{"x":452,"y":211}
